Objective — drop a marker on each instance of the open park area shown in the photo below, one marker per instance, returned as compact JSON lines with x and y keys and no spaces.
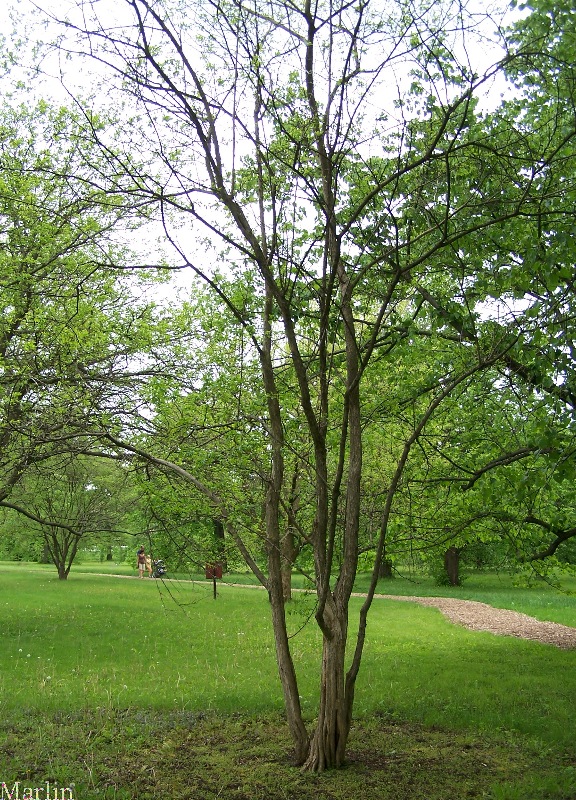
{"x":287,"y":303}
{"x":153,"y":689}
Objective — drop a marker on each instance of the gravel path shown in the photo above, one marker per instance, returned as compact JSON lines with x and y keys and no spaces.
{"x":502,"y":622}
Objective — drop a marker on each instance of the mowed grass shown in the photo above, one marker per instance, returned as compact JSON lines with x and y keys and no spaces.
{"x":93,"y":642}
{"x":542,"y":599}
{"x":96,"y":641}
{"x":97,"y":666}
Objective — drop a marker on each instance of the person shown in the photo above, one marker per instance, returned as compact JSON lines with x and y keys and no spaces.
{"x":149,"y":565}
{"x":141,"y":562}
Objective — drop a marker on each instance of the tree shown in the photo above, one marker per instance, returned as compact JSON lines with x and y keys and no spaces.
{"x":340,"y":156}
{"x":73,"y":329}
{"x":212,"y":414}
{"x":492,"y":468}
{"x":69,"y":500}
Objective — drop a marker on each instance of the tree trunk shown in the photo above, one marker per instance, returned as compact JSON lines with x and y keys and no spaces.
{"x":288,"y":678}
{"x":288,"y":555}
{"x":452,"y":565}
{"x":273,"y":545}
{"x":287,"y":582}
{"x":219,"y":536}
{"x":62,"y":572}
{"x":328,"y":744}
{"x":385,"y":569}
{"x":288,"y":544}
{"x":45,"y":558}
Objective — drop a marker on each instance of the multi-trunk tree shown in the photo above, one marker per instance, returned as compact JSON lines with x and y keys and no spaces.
{"x":354,"y":164}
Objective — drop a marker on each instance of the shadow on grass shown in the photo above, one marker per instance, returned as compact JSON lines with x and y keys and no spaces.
{"x":145,"y":754}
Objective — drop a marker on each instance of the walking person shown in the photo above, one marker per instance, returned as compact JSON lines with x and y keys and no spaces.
{"x":141,"y":562}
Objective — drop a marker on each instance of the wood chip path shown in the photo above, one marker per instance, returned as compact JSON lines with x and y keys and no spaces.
{"x":500,"y":621}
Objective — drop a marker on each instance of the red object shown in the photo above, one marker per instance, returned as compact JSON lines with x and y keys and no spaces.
{"x":213,"y":571}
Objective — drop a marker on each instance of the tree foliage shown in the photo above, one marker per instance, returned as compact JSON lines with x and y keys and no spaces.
{"x":69,"y":503}
{"x":75,"y":333}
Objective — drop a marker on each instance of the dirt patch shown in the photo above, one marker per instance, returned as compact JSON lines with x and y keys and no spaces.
{"x":481,"y":617}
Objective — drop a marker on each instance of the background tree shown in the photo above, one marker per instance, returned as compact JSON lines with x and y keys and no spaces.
{"x":73,"y":329}
{"x":211,"y":416}
{"x":70,"y":503}
{"x":483,"y":475}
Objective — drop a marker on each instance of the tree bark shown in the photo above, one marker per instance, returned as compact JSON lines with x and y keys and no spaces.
{"x":385,"y":569}
{"x":45,"y":558}
{"x":220,"y":542}
{"x":287,"y":672}
{"x":289,"y":549}
{"x":287,"y":582}
{"x":288,"y":553}
{"x":452,"y":565}
{"x":327,"y":748}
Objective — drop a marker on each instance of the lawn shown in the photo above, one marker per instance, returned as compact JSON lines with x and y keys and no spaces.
{"x":99,"y":673}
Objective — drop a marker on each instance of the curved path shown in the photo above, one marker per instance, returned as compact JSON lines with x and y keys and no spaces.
{"x":481,"y":617}
{"x":471,"y":614}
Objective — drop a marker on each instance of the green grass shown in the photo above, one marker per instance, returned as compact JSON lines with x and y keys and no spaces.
{"x":421,"y":667}
{"x":98,"y":673}
{"x":93,"y":642}
{"x":542,"y":600}
{"x":138,"y":754}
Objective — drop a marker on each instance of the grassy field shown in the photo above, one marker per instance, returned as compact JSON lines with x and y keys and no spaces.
{"x":136,"y":689}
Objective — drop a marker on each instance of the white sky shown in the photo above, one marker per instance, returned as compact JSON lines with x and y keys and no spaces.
{"x":84,"y":75}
